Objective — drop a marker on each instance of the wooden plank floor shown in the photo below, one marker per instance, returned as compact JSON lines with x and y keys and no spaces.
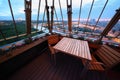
{"x":67,"y":68}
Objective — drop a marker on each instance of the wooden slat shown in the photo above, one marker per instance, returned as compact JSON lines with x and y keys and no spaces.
{"x":106,"y":54}
{"x":53,"y":39}
{"x":94,"y":65}
{"x":68,"y":68}
{"x":112,"y":50}
{"x":103,"y":58}
{"x":109,"y":56}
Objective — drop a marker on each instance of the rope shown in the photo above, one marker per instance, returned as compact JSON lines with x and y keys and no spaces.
{"x":13,"y":17}
{"x":89,"y":13}
{"x":56,"y":16}
{"x":38,"y":15}
{"x":43,"y":19}
{"x":61,"y":12}
{"x":100,"y":16}
{"x":79,"y":13}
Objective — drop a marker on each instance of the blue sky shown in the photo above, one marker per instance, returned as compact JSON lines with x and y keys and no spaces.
{"x":18,"y":9}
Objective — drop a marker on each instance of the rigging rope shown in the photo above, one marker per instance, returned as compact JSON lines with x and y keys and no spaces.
{"x":100,"y":16}
{"x":89,"y":14}
{"x":38,"y":14}
{"x":43,"y":19}
{"x":56,"y":16}
{"x":61,"y":12}
{"x":13,"y":17}
{"x":79,"y":13}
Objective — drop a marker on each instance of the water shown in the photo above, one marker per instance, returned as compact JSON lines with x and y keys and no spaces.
{"x":43,"y":29}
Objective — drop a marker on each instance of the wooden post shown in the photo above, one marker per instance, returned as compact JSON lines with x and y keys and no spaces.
{"x":48,"y":17}
{"x":28,"y":15}
{"x":52,"y":16}
{"x":69,"y":12}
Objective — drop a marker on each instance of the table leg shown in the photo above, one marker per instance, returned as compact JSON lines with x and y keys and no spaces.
{"x":85,"y":69}
{"x":54,"y":56}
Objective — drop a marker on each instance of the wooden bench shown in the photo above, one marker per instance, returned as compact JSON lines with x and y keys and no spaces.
{"x":108,"y":57}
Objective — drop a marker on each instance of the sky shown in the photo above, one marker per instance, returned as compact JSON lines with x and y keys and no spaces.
{"x":18,"y":9}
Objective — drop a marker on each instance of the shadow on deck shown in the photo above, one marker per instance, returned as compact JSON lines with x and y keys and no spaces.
{"x":67,"y":68}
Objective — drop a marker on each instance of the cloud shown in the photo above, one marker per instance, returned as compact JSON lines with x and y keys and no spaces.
{"x":4,"y":14}
{"x":76,"y":4}
{"x":21,"y":10}
{"x":18,"y":7}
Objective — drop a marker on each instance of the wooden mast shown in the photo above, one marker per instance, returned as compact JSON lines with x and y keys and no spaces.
{"x":52,"y":15}
{"x":28,"y":15}
{"x":69,"y":12}
{"x":111,"y":24}
{"x":48,"y":17}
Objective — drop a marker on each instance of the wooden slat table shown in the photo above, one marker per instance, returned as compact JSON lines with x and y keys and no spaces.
{"x":76,"y":48}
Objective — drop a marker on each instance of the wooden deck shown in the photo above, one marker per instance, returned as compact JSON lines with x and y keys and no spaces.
{"x":67,"y":68}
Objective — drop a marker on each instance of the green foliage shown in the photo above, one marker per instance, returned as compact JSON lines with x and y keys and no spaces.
{"x":8,"y":29}
{"x":17,"y":39}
